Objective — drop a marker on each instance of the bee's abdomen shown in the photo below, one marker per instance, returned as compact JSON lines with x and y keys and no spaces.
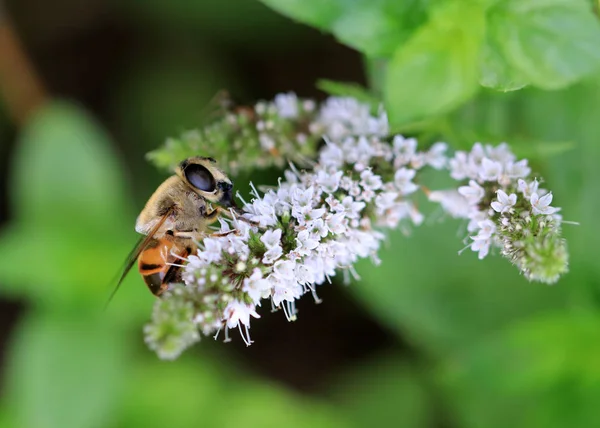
{"x":147,"y":269}
{"x":152,"y":264}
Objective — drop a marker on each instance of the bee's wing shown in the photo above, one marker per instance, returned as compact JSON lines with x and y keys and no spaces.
{"x":137,"y":250}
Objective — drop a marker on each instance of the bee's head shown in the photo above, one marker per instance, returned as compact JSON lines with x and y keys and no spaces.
{"x":207,"y":180}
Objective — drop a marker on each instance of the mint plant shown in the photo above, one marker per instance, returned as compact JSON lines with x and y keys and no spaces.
{"x":322,"y":219}
{"x":353,"y":173}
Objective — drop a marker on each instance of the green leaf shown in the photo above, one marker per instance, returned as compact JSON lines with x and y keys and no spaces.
{"x":375,"y":69}
{"x":374,"y":27}
{"x":496,"y":73}
{"x":64,"y":372}
{"x":341,"y":89}
{"x":377,"y":28}
{"x":436,"y":70}
{"x":318,"y":13}
{"x":542,"y":372}
{"x":64,"y":171}
{"x":551,"y":43}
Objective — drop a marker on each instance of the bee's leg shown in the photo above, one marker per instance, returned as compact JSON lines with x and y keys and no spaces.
{"x":228,"y":232}
{"x":209,"y":216}
{"x":189,"y":234}
{"x":173,"y":274}
{"x":170,"y":277}
{"x":197,"y":236}
{"x":227,"y":212}
{"x":212,"y":216}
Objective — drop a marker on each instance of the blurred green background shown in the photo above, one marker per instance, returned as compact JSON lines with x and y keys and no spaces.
{"x":427,"y":339}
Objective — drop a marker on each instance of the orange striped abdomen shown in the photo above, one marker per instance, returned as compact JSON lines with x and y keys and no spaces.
{"x":155,"y":264}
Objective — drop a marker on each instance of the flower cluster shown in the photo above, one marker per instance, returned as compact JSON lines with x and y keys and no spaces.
{"x":348,"y":182}
{"x":506,"y":209}
{"x":273,"y":133}
{"x":295,"y":237}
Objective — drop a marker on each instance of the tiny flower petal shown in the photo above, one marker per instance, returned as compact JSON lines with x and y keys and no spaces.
{"x":481,"y":245}
{"x":473,"y":192}
{"x":542,"y":205}
{"x":490,"y":170}
{"x":505,"y":202}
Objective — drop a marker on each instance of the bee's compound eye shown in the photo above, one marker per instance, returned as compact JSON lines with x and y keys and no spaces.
{"x":200,"y":177}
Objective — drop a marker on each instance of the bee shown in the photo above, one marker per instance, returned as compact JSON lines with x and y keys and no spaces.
{"x":176,"y":218}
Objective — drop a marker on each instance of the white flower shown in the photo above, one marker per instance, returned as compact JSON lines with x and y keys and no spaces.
{"x":527,"y":189}
{"x":475,"y":217}
{"x":234,"y":244}
{"x":418,"y":161}
{"x":341,"y":117}
{"x":284,"y":269}
{"x":542,"y":205}
{"x":355,"y":191}
{"x":271,"y":238}
{"x":347,"y":183}
{"x":486,"y":229}
{"x":500,"y":153}
{"x":309,"y":105}
{"x":352,"y":207}
{"x":490,"y":170}
{"x":337,"y":223}
{"x":436,"y":156}
{"x":482,"y":245}
{"x":256,"y":286}
{"x":504,"y":202}
{"x":477,"y":153}
{"x":334,"y":204}
{"x":237,"y":312}
{"x":385,"y":200}
{"x":459,"y":166}
{"x":303,"y":197}
{"x":517,"y":169}
{"x":304,"y":275}
{"x":318,"y":228}
{"x":331,"y":155}
{"x":260,"y":212}
{"x":306,"y":243}
{"x":452,"y":202}
{"x":266,"y":142}
{"x":287,"y":105}
{"x":272,"y":254}
{"x":280,"y":201}
{"x":285,"y":290}
{"x":212,"y":250}
{"x":473,"y":192}
{"x":370,"y":181}
{"x":307,"y":213}
{"x":403,"y":149}
{"x":402,"y":179}
{"x":363,"y":243}
{"x":415,"y":215}
{"x":329,"y":182}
